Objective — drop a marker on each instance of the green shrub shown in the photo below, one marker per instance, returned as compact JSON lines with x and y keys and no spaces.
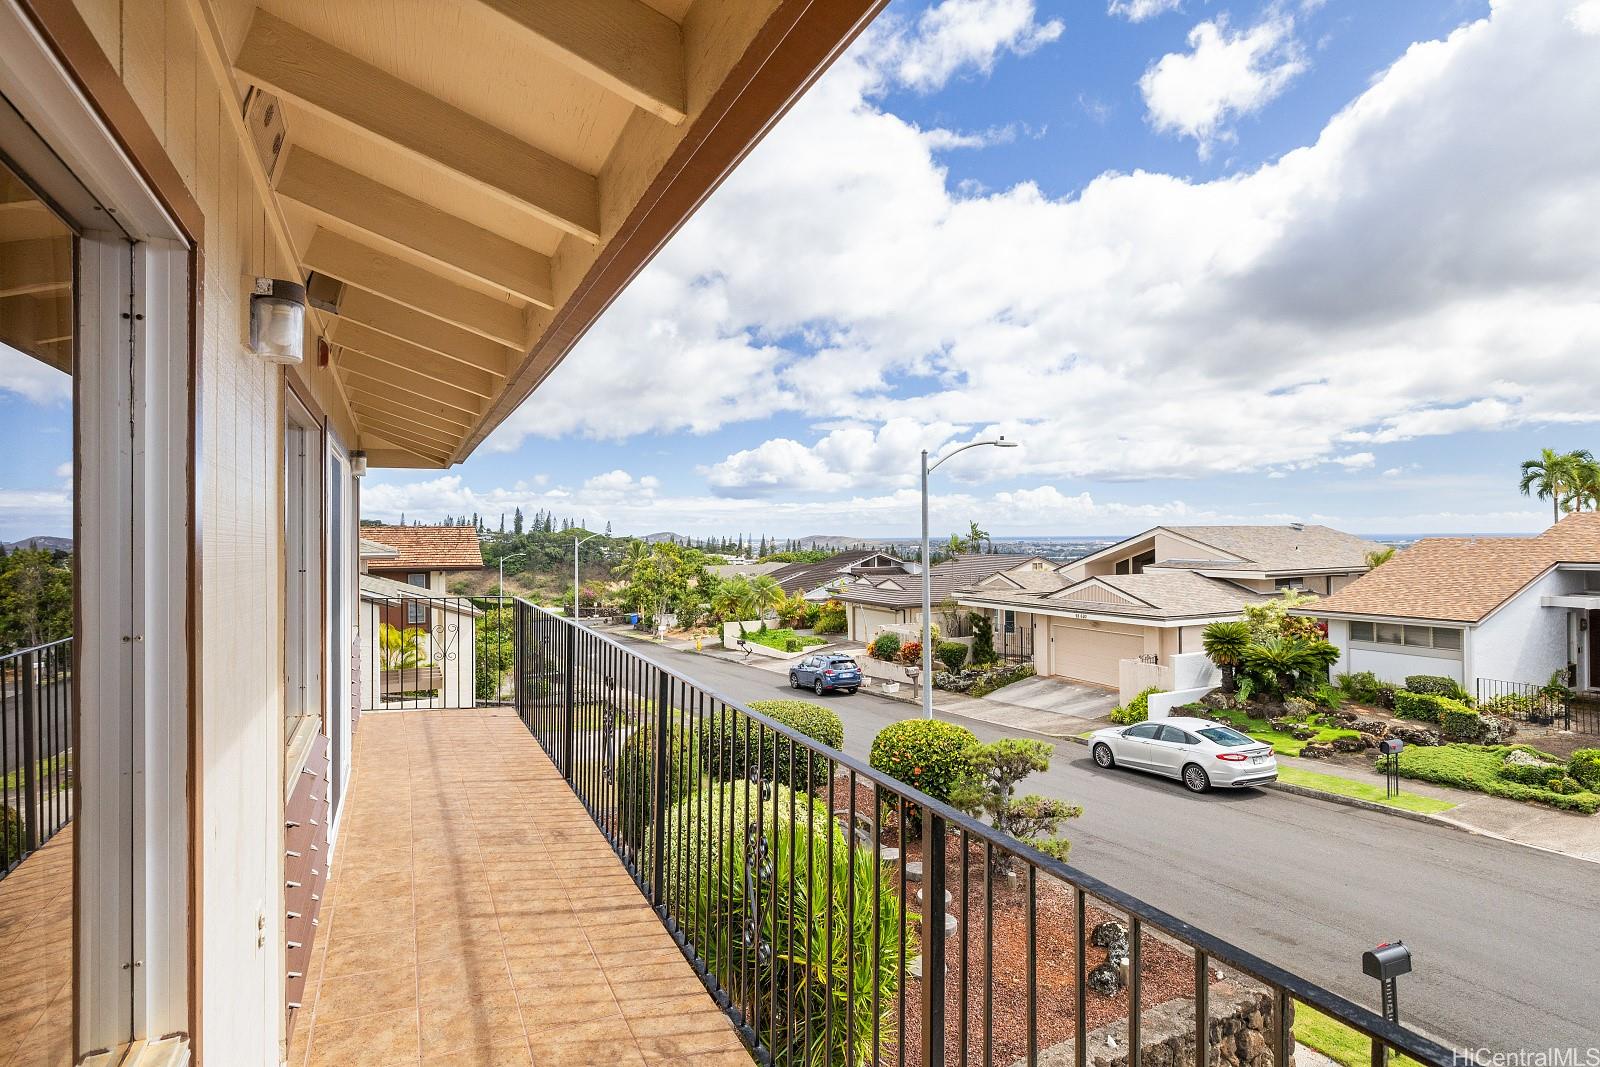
{"x":1435,"y":685}
{"x":910,"y":654}
{"x":1585,"y":768}
{"x":636,"y":771}
{"x":730,"y":743}
{"x":829,"y":996}
{"x":982,"y":637}
{"x":927,"y":754}
{"x":1138,"y":709}
{"x":1424,"y":707}
{"x":1458,"y":722}
{"x":1537,"y":775}
{"x":999,"y":678}
{"x":831,"y":619}
{"x":1477,"y":767}
{"x":10,"y":835}
{"x":952,"y":654}
{"x":886,"y":646}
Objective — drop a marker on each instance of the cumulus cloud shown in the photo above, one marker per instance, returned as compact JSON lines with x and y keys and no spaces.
{"x":1226,"y":73}
{"x":1424,"y":266}
{"x":29,"y":378}
{"x":1139,"y":10}
{"x":955,"y":36}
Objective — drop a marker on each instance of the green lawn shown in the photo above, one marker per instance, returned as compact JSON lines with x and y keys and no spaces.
{"x":1335,"y":1040}
{"x":779,"y":639}
{"x":1329,"y":783}
{"x":1476,"y":767}
{"x":1283,"y":744}
{"x":42,"y":770}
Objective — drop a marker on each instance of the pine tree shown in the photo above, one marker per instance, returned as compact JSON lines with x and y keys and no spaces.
{"x":516,"y":522}
{"x":608,"y":529}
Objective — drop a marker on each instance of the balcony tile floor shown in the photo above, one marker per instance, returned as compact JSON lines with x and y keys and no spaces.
{"x":36,"y":958}
{"x":476,"y":916}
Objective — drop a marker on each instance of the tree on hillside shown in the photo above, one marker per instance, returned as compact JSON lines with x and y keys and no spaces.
{"x":516,"y":522}
{"x":35,"y":598}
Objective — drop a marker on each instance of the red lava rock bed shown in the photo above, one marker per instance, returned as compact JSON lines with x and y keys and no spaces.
{"x":1166,"y":969}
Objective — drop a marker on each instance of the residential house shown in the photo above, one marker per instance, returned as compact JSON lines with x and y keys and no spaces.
{"x":422,"y":556}
{"x":1148,"y":597}
{"x":744,"y":568}
{"x":878,"y":601}
{"x":819,"y":581}
{"x":1489,"y":609}
{"x":460,"y":189}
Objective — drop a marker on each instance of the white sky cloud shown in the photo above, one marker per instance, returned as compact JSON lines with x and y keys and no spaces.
{"x":1147,"y":326}
{"x":954,"y":36}
{"x":1139,"y":10}
{"x":1225,"y":74}
{"x":37,"y":381}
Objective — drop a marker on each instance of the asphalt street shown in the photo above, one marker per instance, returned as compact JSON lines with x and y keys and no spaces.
{"x":1506,"y":938}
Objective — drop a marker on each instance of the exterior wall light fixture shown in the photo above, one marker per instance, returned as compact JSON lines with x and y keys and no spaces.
{"x":278,"y":320}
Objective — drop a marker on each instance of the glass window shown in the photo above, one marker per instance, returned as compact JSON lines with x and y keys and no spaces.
{"x":1010,"y":620}
{"x":304,"y":609}
{"x":1419,"y":636}
{"x":1361,"y":631}
{"x":1225,"y":736}
{"x":418,"y":579}
{"x":1176,"y":736}
{"x":1145,"y":731}
{"x":1391,"y":634}
{"x":1447,"y":639}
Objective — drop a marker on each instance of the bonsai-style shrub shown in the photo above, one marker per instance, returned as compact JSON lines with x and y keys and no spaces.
{"x":991,"y":790}
{"x":773,"y":948}
{"x":886,"y":646}
{"x":952,"y":654}
{"x":1457,"y":722}
{"x":732,"y":744}
{"x":926,"y":754}
{"x":831,"y":619}
{"x":1584,"y":767}
{"x":911,"y":653}
{"x":1224,"y":644}
{"x":1425,"y":707}
{"x":1137,"y":709}
{"x":982,"y":638}
{"x":1435,"y":685}
{"x":636,"y":771}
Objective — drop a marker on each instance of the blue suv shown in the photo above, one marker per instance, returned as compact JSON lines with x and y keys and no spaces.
{"x":824,"y":673}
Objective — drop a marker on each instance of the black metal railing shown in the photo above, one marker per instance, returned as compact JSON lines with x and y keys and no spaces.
{"x":841,"y":917}
{"x":429,"y":651}
{"x":36,"y":743}
{"x":1539,"y":705}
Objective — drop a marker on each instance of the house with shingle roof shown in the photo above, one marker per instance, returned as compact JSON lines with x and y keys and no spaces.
{"x":1501,"y":609}
{"x":420,"y":556}
{"x":1148,"y":597}
{"x":877,"y":599}
{"x":818,"y":581}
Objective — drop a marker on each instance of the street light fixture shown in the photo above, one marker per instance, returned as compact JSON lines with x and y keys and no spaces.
{"x":502,"y":597}
{"x":577,"y":543}
{"x":927,"y":572}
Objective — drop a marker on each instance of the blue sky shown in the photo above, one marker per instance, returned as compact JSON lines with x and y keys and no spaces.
{"x":1328,"y":260}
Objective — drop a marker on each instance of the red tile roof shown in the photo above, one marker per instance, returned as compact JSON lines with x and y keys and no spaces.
{"x":427,"y":548}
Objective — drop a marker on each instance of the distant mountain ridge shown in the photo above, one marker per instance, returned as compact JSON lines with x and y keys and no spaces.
{"x":54,"y":544}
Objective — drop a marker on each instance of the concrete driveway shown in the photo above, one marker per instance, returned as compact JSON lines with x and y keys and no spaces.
{"x":1052,"y":706}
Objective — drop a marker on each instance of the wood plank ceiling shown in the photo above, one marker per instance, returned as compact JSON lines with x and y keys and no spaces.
{"x":476,"y":180}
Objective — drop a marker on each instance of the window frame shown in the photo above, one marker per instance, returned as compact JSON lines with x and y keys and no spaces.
{"x":306,"y":604}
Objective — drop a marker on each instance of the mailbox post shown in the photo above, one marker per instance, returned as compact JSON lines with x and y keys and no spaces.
{"x":1386,"y":963}
{"x":1390,"y":748}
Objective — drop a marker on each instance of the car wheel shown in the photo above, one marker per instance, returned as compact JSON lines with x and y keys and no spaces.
{"x":849,"y":692}
{"x":794,"y":680}
{"x":1195,"y":777}
{"x":1103,"y":756}
{"x":818,"y":689}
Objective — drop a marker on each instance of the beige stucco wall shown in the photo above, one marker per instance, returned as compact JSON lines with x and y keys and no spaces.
{"x":154,"y":46}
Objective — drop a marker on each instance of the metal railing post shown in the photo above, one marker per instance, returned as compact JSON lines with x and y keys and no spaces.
{"x":30,"y":757}
{"x":568,"y":745}
{"x":658,"y":811}
{"x":933,"y":976}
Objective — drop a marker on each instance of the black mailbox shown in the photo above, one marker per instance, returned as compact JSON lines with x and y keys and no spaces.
{"x":1386,"y":962}
{"x":1390,"y":745}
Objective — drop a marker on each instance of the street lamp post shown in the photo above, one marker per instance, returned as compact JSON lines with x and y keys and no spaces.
{"x":577,"y":542}
{"x":927,"y":573}
{"x":502,"y":596}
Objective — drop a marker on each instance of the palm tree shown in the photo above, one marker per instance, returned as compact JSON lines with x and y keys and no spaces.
{"x":1585,"y":482}
{"x":978,"y":537}
{"x":399,"y":650}
{"x":1551,"y":477}
{"x":1225,"y":644}
{"x":1379,"y":556}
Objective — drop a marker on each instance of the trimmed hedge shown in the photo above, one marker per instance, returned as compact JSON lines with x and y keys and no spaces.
{"x":636,"y":770}
{"x":731,"y":744}
{"x":1585,"y":768}
{"x":1537,"y":775}
{"x":1435,"y":685}
{"x":1460,"y":723}
{"x":952,"y":654}
{"x":1138,"y":709}
{"x":927,"y":754}
{"x":1477,"y":767}
{"x":1426,"y":707}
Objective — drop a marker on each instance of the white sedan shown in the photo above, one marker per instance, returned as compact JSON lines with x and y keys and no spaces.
{"x":1198,"y":752}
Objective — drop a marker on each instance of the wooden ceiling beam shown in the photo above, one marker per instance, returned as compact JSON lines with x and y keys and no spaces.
{"x":406,"y":432}
{"x":332,"y":191}
{"x":452,"y":378}
{"x":305,"y":68}
{"x":437,"y":453}
{"x":421,"y":290}
{"x":425,"y":331}
{"x":438,"y":427}
{"x":41,"y":265}
{"x":384,"y":396}
{"x":628,"y":47}
{"x":392,"y":458}
{"x":420,"y":387}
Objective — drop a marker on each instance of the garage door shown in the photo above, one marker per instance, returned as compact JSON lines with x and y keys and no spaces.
{"x":1090,"y":654}
{"x":870,"y":620}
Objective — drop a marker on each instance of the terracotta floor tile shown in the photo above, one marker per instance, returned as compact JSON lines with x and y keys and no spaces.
{"x":370,"y":1041}
{"x":369,"y":952}
{"x":479,"y":1023}
{"x":514,"y":1055}
{"x":366,"y":994}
